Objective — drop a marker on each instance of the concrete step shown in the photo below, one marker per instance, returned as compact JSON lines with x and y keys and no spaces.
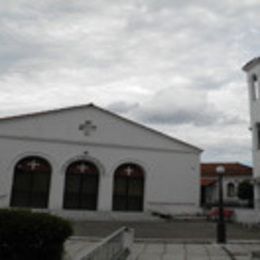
{"x":106,"y":215}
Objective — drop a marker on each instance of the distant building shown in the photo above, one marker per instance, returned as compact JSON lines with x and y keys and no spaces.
{"x":252,"y":68}
{"x":235,"y":173}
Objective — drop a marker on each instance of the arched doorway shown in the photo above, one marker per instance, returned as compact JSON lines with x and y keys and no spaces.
{"x":81,"y":186}
{"x":128,"y":194}
{"x":31,"y":183}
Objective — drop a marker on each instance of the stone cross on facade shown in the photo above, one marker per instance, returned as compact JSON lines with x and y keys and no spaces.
{"x":33,"y":164}
{"x":87,"y":127}
{"x":83,"y":167}
{"x":129,"y":170}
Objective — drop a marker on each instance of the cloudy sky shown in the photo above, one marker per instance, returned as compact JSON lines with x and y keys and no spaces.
{"x":172,"y":65}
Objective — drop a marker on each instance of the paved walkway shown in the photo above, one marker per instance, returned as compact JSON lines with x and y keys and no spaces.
{"x":73,"y":247}
{"x":169,"y":251}
{"x":175,"y":240}
{"x":173,"y":251}
{"x":202,"y":231}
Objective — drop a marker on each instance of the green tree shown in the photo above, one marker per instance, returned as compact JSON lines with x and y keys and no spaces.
{"x":246,"y":192}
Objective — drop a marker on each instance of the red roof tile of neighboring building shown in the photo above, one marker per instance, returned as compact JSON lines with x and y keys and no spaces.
{"x":231,"y":169}
{"x":207,"y":182}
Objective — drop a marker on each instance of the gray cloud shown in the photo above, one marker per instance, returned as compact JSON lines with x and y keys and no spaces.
{"x":122,"y":107}
{"x":171,"y":64}
{"x":177,"y":105}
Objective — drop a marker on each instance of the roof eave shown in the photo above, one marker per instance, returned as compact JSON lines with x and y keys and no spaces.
{"x":45,"y":112}
{"x":249,"y":65}
{"x":197,"y":149}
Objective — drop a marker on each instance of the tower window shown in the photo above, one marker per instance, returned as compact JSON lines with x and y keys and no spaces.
{"x":258,"y":136}
{"x":255,"y":87}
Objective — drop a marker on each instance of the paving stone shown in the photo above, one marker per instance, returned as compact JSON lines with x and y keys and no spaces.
{"x":73,"y":247}
{"x":138,"y":249}
{"x":220,"y":257}
{"x":252,"y":247}
{"x":176,"y":249}
{"x":173,"y":256}
{"x":215,"y":250}
{"x":150,"y":256}
{"x":155,"y":248}
{"x":76,"y":246}
{"x":237,"y":249}
{"x":196,"y":258}
{"x":196,"y":250}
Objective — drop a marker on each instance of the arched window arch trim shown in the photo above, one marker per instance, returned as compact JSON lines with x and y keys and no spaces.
{"x":21,"y":156}
{"x":140,"y":173}
{"x":137,"y":162}
{"x":96,"y":162}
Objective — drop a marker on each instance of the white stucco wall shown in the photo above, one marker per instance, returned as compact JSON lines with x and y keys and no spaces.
{"x":236,"y":180}
{"x":111,"y":130}
{"x":255,"y":119}
{"x":172,"y":170}
{"x":171,"y":179}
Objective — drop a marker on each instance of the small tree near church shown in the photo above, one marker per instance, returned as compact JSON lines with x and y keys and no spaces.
{"x":246,"y":192}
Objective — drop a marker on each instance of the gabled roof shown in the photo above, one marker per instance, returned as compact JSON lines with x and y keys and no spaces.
{"x":46,"y":112}
{"x":91,"y":105}
{"x":231,"y":169}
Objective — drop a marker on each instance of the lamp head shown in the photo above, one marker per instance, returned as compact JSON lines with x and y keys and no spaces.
{"x":220,"y":169}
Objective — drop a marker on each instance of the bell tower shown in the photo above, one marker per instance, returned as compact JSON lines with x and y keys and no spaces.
{"x":252,"y":69}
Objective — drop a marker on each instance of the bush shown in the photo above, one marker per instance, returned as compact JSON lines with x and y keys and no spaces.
{"x":25,"y":235}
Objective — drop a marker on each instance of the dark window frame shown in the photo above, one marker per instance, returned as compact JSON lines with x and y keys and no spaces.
{"x":255,"y":87}
{"x":258,"y":136}
{"x":30,"y":196}
{"x":131,"y":198}
{"x":81,"y":198}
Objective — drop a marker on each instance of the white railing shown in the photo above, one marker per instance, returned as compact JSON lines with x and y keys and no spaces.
{"x":117,"y":246}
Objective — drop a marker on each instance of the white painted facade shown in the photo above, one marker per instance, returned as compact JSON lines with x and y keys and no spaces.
{"x":229,"y":198}
{"x":252,"y":68}
{"x":171,"y":167}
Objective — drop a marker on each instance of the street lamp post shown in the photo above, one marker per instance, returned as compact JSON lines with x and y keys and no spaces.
{"x":221,"y":227}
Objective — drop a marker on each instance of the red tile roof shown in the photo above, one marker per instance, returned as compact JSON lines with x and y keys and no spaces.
{"x":231,"y":169}
{"x":207,"y":182}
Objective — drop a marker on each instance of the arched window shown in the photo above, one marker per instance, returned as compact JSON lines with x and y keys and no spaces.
{"x":31,"y":183}
{"x":231,"y":189}
{"x":128,"y":194}
{"x":81,"y":186}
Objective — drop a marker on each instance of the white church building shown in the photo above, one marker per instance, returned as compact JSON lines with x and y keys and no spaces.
{"x":85,"y":159}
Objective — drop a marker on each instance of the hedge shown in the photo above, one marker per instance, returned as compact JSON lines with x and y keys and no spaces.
{"x":25,"y":235}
